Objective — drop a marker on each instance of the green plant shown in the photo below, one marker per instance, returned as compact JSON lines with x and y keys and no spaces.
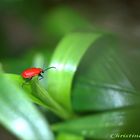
{"x":90,"y":90}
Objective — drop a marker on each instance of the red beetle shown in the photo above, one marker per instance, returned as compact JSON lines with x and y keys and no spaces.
{"x":31,"y":72}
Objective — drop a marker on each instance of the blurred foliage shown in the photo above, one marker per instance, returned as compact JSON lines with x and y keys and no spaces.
{"x":92,"y":93}
{"x":18,"y":114}
{"x":67,"y":136}
{"x":63,"y":20}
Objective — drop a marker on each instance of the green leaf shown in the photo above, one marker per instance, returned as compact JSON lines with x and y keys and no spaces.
{"x":98,"y":126}
{"x":59,"y":81}
{"x":67,"y":136}
{"x":19,"y":81}
{"x":131,"y":56}
{"x":42,"y":97}
{"x":18,"y":114}
{"x":101,"y":81}
{"x":39,"y":95}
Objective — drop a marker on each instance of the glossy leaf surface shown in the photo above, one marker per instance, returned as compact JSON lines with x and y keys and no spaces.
{"x":59,"y":81}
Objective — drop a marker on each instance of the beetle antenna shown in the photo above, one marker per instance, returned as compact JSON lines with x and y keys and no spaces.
{"x":49,"y":68}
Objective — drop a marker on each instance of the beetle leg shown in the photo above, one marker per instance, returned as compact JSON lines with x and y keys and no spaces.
{"x":40,"y":77}
{"x":27,"y":80}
